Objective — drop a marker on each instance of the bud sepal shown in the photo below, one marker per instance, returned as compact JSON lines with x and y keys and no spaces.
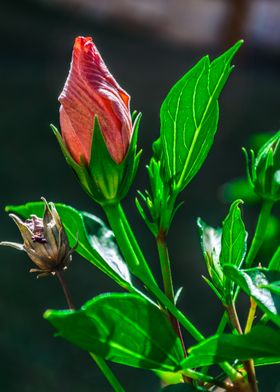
{"x":104,"y":180}
{"x":263,"y":169}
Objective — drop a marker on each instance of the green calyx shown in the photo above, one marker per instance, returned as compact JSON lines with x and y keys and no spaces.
{"x":263,"y":170}
{"x":104,"y":180}
{"x":160,"y":201}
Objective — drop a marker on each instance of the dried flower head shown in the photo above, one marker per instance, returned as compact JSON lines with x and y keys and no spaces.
{"x":45,"y":241}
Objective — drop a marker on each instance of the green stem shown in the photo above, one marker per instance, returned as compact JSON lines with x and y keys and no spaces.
{"x":138,"y":265}
{"x":251,"y":315}
{"x":249,"y":364}
{"x":107,"y":373}
{"x":167,"y":281}
{"x":259,"y":232}
{"x":165,"y":265}
{"x":127,"y":242}
{"x":134,"y":257}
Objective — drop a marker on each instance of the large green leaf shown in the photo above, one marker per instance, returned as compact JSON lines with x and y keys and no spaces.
{"x":189,"y":117}
{"x":234,"y":237}
{"x":123,"y":328}
{"x":255,"y":282}
{"x":261,"y":343}
{"x":96,"y":242}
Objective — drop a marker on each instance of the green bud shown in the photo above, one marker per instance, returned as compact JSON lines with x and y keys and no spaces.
{"x":263,"y":170}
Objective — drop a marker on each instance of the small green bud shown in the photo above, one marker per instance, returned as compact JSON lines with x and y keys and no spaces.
{"x":264,"y":169}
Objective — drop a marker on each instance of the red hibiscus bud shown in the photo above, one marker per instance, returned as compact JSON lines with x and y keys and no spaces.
{"x":91,"y":91}
{"x":97,"y":136}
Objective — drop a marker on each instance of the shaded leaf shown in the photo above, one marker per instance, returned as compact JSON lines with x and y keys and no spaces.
{"x":122,"y":328}
{"x":255,"y":283}
{"x":260,"y":343}
{"x":189,"y":117}
{"x":96,"y":242}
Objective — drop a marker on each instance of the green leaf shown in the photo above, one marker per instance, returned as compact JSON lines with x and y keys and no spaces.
{"x":234,"y":237}
{"x":275,"y":261}
{"x":96,"y":242}
{"x":189,"y":117}
{"x":260,"y":343}
{"x":255,"y":282}
{"x":122,"y":328}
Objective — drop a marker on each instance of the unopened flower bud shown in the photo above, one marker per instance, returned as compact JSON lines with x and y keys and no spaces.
{"x":264,"y":169}
{"x":45,"y":241}
{"x":98,"y":137}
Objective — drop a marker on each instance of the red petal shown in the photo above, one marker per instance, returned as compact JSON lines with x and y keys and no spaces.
{"x":90,"y":90}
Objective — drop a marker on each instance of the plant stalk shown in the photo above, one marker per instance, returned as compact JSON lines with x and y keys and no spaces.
{"x":65,"y":289}
{"x":111,"y":378}
{"x":248,"y":365}
{"x":168,"y":286}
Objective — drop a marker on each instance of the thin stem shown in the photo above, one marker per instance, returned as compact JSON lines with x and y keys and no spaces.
{"x":165,"y":265}
{"x":251,"y":315}
{"x":111,"y":378}
{"x":168,"y":285}
{"x":100,"y":362}
{"x":133,"y":254}
{"x":66,"y":291}
{"x":248,"y":365}
{"x":259,"y":232}
{"x":233,"y":317}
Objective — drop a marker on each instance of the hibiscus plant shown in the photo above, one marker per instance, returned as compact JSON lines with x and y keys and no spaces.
{"x":142,"y":327}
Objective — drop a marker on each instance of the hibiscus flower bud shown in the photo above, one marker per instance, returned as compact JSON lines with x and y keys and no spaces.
{"x":264,"y":170}
{"x":45,"y":241}
{"x":97,"y":137}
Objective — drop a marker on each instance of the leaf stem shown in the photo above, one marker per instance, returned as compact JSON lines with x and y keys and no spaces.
{"x":248,"y":365}
{"x":100,"y":362}
{"x":165,"y":264}
{"x":168,"y":284}
{"x":66,"y":291}
{"x":259,"y":232}
{"x":251,"y":315}
{"x":111,"y":378}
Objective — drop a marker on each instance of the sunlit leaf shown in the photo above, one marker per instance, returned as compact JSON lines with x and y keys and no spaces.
{"x":261,"y":343}
{"x":122,"y":328}
{"x":255,"y":282}
{"x":96,"y":242}
{"x":189,"y":117}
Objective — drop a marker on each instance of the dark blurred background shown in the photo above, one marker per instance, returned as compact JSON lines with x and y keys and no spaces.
{"x":147,"y":45}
